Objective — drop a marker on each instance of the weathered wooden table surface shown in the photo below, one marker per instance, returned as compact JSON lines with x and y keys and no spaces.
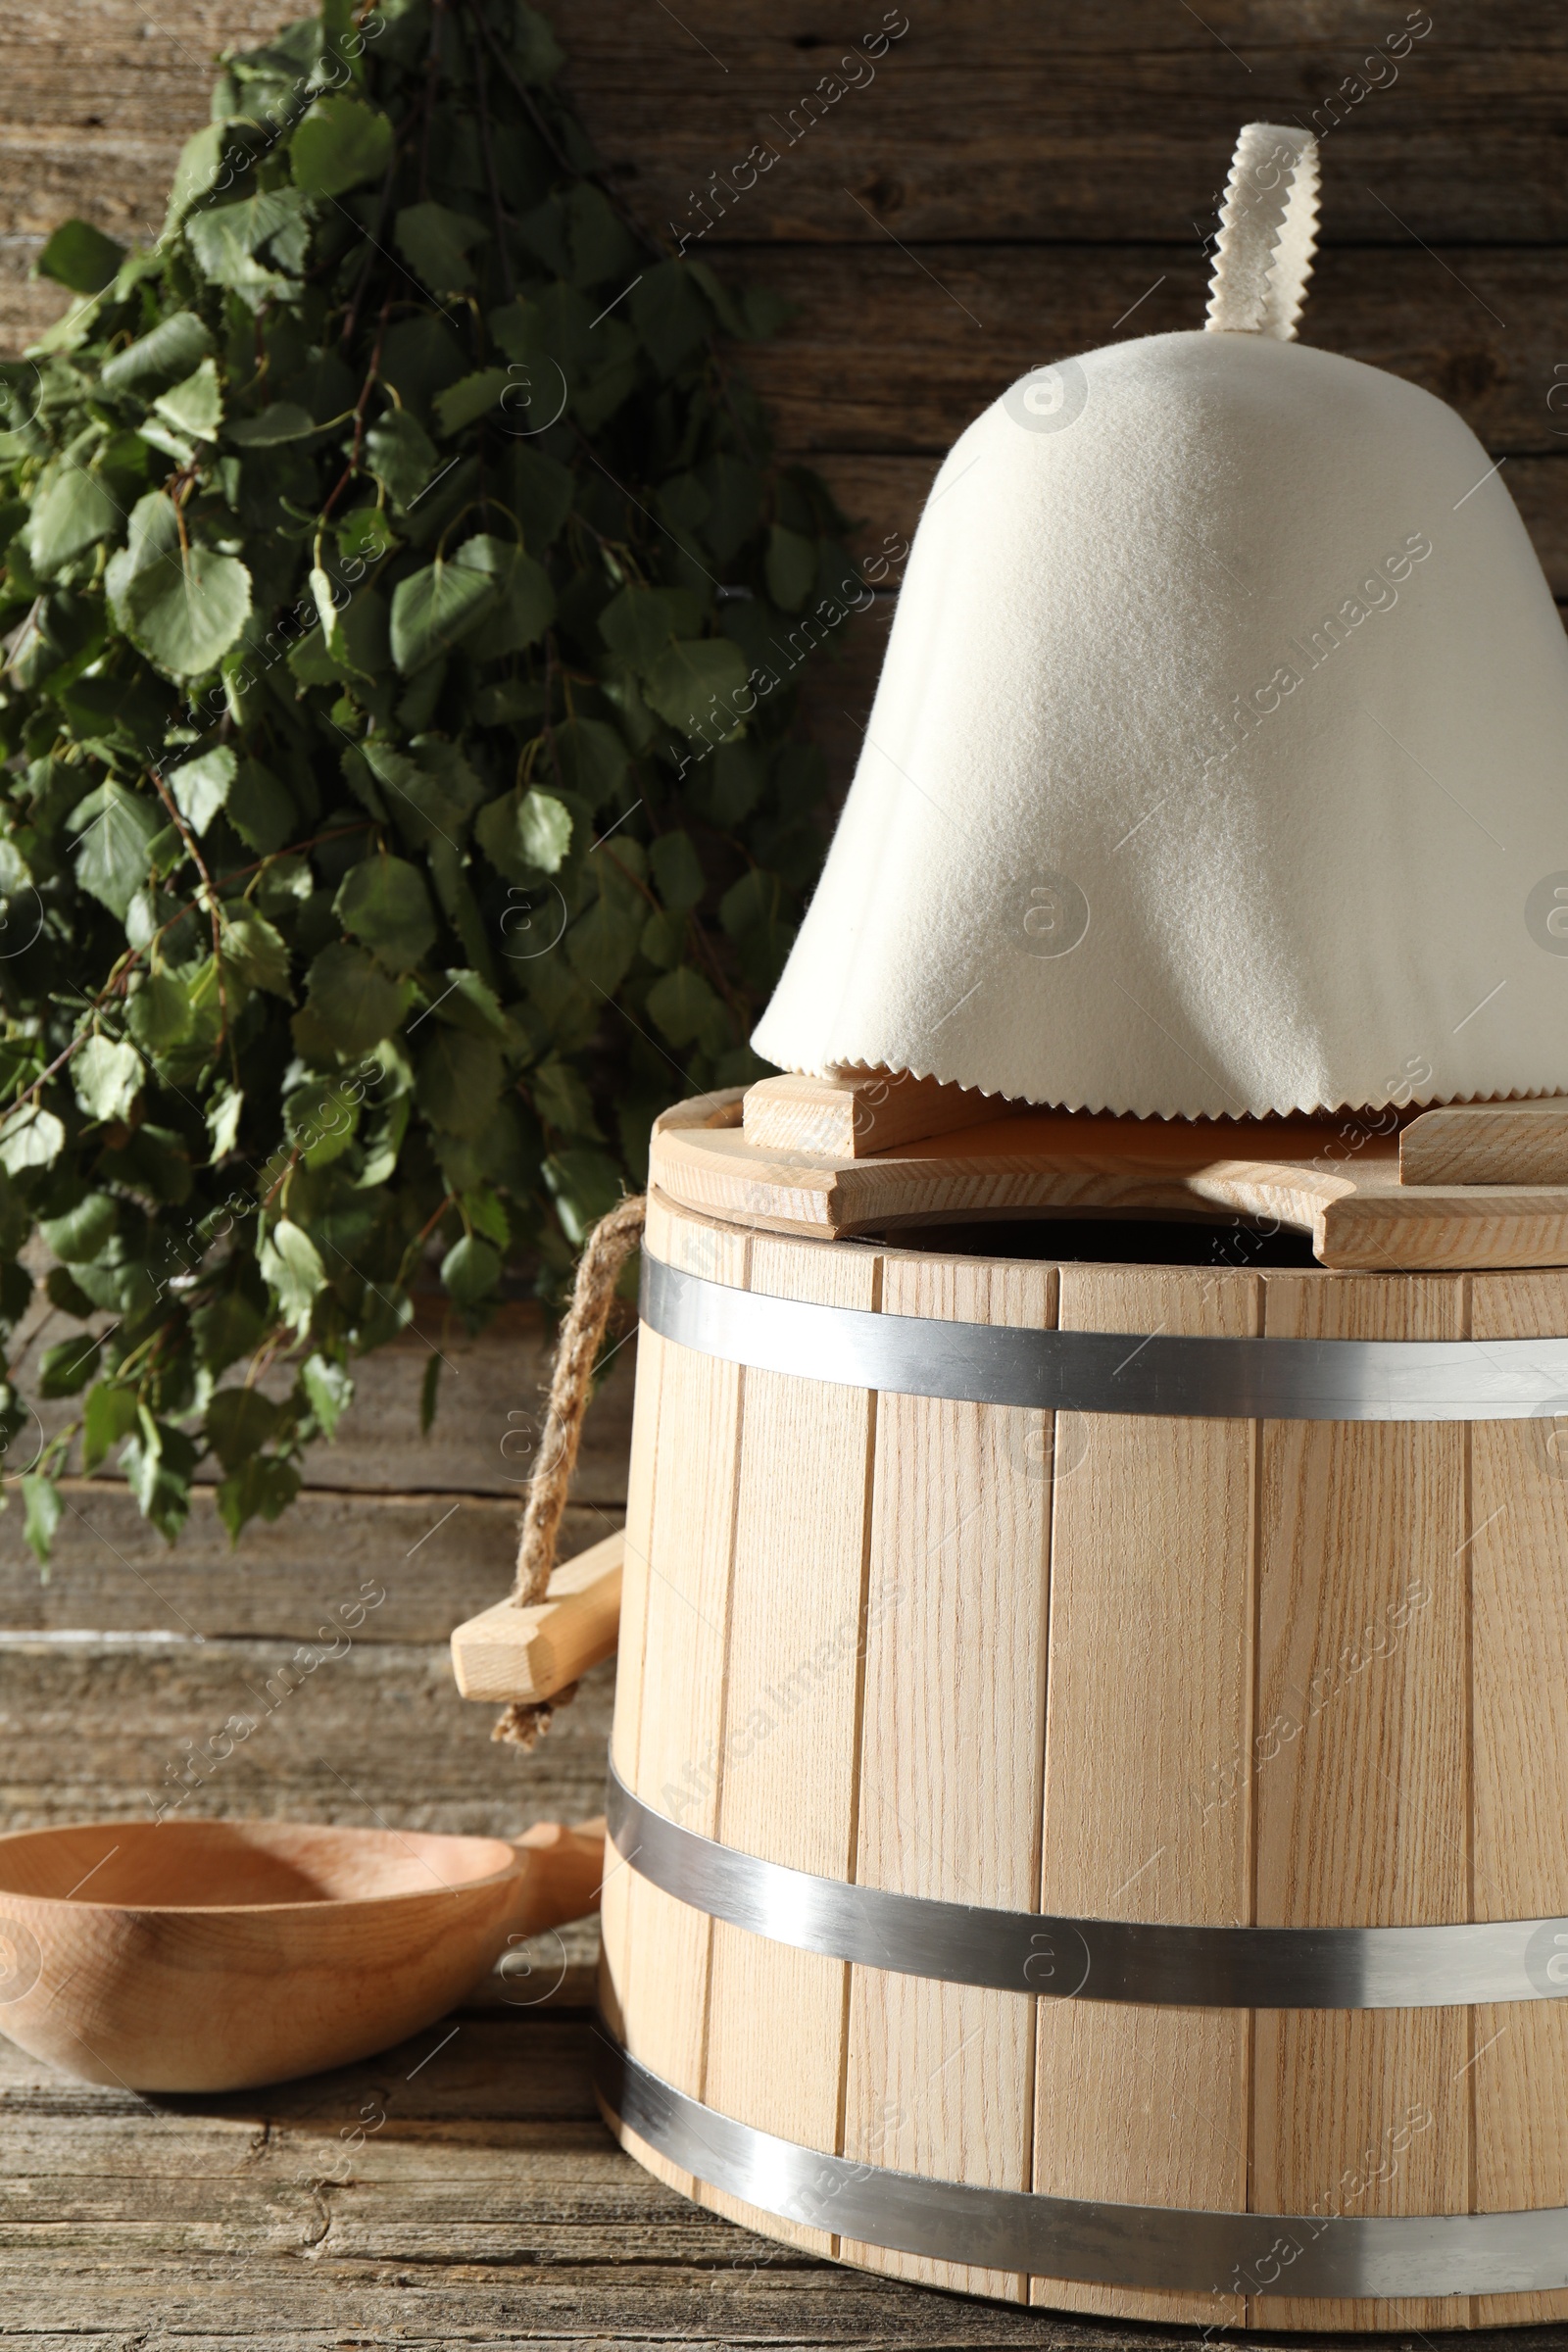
{"x":486,"y":2205}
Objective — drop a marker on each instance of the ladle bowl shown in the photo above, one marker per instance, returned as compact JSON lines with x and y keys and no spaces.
{"x":217,"y":1956}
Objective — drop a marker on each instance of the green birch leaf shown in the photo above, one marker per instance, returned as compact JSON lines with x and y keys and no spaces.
{"x":66,"y":1368}
{"x":201,"y":786}
{"x":30,"y":1138}
{"x":640,"y":623}
{"x":186,"y":610}
{"x":401,"y":455}
{"x":468,"y":1002}
{"x":457,"y":1079}
{"x":676,"y":870}
{"x":469,"y":399}
{"x":258,"y":952}
{"x":81,"y":257}
{"x":222,"y":1122}
{"x":383,"y":902}
{"x":337,"y":144}
{"x":158,"y":1462}
{"x":262,"y":1487}
{"x":73,"y":514}
{"x":470,"y":1270}
{"x":195,"y":405}
{"x":486,"y":1215}
{"x":166,"y":355}
{"x":593,"y":758}
{"x":229,"y":241}
{"x":225,"y":1330}
{"x":431,"y":609}
{"x":695,"y":686}
{"x":331,"y":1391}
{"x":790,"y":568}
{"x":153,"y":532}
{"x":241,"y":1421}
{"x":284,"y":422}
{"x":524,"y":834}
{"x":528,"y":600}
{"x":115,"y":833}
{"x":458,"y":904}
{"x":108,"y":1417}
{"x":41,"y":1513}
{"x":562,"y":1100}
{"x":436,"y":244}
{"x":292,"y":1263}
{"x":352,"y":998}
{"x":684,"y":1006}
{"x":161,"y":1013}
{"x":585,"y":1185}
{"x":201,"y":160}
{"x":431,"y":789}
{"x":260,"y":809}
{"x":106,"y":1077}
{"x":83,"y":1232}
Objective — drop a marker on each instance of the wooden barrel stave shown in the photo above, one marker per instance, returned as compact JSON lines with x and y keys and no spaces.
{"x":939,"y":2077}
{"x":689,"y":1548}
{"x":1360,"y":1818}
{"x":723,"y":2011}
{"x":791,"y":1734}
{"x":1519,"y":1648}
{"x":1151,"y":1691}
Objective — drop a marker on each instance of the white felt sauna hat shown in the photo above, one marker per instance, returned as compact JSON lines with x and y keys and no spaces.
{"x":1219,"y":762}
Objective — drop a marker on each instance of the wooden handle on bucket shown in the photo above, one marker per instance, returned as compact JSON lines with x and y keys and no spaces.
{"x":529,"y":1654}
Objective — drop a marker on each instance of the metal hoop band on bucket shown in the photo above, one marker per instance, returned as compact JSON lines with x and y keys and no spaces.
{"x":1331,"y":2253}
{"x":1109,"y":1371}
{"x":1158,"y":1966}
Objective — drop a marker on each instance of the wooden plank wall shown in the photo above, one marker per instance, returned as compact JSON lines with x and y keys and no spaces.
{"x":118,"y":1675}
{"x":1016,"y":182}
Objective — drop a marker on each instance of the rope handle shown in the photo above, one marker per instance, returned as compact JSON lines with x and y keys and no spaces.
{"x":1267,"y":234}
{"x":605,"y":1252}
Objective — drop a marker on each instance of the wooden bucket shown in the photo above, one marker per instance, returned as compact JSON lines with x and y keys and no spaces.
{"x":1064,"y":1731}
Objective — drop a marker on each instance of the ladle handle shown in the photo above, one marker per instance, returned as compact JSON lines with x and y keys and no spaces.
{"x":566,"y":1866}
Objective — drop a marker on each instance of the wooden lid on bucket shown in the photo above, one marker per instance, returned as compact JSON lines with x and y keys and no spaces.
{"x":1469,"y":1185}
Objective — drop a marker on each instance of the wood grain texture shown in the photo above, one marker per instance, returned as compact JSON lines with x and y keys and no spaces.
{"x":1020,"y":1158}
{"x":528,"y":1654}
{"x":857,"y":1114}
{"x":98,"y":1726}
{"x":691,"y":1552}
{"x":1361,"y":1785}
{"x":1150,"y":1685}
{"x":1048,"y":175}
{"x":626,"y":1728}
{"x":939,"y":2078}
{"x":1487,"y":1143}
{"x":1345,"y":1193}
{"x":458,"y":2181}
{"x":885,"y":359}
{"x":1073,"y":127}
{"x":441,"y":1558}
{"x":1518,"y":1567}
{"x":788,"y":1791}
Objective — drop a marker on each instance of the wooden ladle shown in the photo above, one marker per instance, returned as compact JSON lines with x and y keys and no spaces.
{"x":217,"y":1955}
